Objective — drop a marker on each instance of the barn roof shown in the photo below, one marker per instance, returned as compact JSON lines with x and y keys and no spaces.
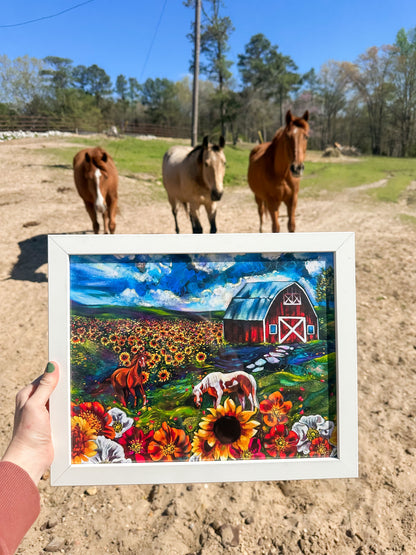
{"x":253,"y":300}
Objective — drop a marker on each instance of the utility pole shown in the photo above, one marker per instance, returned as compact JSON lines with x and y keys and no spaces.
{"x":195,"y":92}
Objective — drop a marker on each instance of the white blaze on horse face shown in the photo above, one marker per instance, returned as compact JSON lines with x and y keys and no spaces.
{"x":99,"y":203}
{"x":213,"y":173}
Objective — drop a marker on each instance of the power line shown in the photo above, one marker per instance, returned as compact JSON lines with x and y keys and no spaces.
{"x":153,"y":39}
{"x":47,"y":16}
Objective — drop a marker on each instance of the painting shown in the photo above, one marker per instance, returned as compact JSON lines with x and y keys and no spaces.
{"x":200,"y":359}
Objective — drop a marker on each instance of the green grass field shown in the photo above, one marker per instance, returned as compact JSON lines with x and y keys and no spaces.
{"x":134,"y":156}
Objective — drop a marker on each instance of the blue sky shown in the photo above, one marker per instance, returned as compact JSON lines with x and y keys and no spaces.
{"x":192,"y":283}
{"x":148,"y":39}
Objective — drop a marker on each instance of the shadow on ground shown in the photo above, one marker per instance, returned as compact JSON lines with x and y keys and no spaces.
{"x":33,"y":255}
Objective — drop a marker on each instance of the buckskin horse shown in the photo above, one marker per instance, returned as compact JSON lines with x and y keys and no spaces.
{"x":275,"y":169}
{"x":194,"y":177}
{"x":217,"y":383}
{"x":96,"y":180}
{"x":126,"y":379}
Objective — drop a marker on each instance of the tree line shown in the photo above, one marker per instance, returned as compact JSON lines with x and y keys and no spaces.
{"x":369,"y":103}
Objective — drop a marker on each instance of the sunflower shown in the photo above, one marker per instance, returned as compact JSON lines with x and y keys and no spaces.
{"x":228,"y":427}
{"x":202,"y":449}
{"x":179,"y":357}
{"x":169,"y":444}
{"x":201,"y":357}
{"x":274,"y":409}
{"x":124,"y":358}
{"x":117,"y":349}
{"x":83,"y":440}
{"x":145,"y":376}
{"x":104,"y":341}
{"x":164,"y":375}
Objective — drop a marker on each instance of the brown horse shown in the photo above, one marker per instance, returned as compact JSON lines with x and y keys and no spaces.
{"x":126,"y":379}
{"x":96,"y":180}
{"x":275,"y":169}
{"x":194,"y":177}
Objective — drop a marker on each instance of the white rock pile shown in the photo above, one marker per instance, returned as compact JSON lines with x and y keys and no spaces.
{"x":10,"y":135}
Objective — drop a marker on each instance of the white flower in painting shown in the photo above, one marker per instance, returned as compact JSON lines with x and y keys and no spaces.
{"x":121,"y":422}
{"x":309,"y":428}
{"x":108,"y":451}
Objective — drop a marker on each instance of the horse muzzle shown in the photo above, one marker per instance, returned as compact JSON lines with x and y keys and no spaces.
{"x":297,"y":170}
{"x":216,"y":195}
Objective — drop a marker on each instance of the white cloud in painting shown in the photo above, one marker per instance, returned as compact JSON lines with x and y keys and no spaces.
{"x":129,"y":297}
{"x":314,"y":267}
{"x":152,"y":272}
{"x":162,"y":298}
{"x":309,"y":290}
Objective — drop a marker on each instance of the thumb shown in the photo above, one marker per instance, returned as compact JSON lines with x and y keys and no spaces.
{"x":47,"y":383}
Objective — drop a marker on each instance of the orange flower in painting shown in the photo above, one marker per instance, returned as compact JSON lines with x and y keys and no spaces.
{"x":97,"y":417}
{"x":145,"y":376}
{"x":164,"y":375}
{"x":83,"y":436}
{"x":275,"y":409}
{"x":200,"y":357}
{"x":227,"y":427}
{"x":169,"y":444}
{"x":179,"y":357}
{"x":124,"y":358}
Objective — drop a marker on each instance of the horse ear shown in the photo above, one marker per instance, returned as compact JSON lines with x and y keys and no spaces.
{"x":87,"y":157}
{"x":222,"y":142}
{"x":104,"y":157}
{"x":306,"y":115}
{"x":289,"y":117}
{"x":205,"y":142}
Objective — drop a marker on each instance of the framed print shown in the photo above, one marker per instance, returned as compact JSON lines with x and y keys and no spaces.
{"x":198,"y":358}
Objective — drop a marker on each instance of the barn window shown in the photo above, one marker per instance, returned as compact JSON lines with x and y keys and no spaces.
{"x":310,"y":330}
{"x":292,"y":299}
{"x":272,"y":329}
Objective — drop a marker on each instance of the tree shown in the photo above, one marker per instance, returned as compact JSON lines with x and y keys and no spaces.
{"x":134,"y":90}
{"x":325,"y":287}
{"x":122,"y":87}
{"x":58,"y":72}
{"x":268,"y":72}
{"x":403,"y":57}
{"x":20,"y":80}
{"x":371,"y":78}
{"x":162,"y":106}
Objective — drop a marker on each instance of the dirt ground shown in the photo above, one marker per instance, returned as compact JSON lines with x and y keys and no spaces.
{"x":371,"y":514}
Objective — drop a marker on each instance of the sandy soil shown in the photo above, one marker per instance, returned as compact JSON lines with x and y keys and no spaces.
{"x":371,"y":514}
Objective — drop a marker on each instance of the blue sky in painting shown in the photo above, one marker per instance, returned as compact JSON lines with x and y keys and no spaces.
{"x":185,"y":282}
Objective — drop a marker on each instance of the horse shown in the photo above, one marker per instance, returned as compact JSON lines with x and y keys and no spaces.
{"x":194,"y":177}
{"x":275,"y":169}
{"x":96,"y":180}
{"x":126,"y":379}
{"x":216,"y":384}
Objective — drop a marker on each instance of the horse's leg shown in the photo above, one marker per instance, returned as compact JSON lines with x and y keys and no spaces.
{"x":212,"y":213}
{"x":112,"y":211}
{"x":260,"y":209}
{"x":174,"y":207}
{"x":291,"y":208}
{"x":273,"y":208}
{"x":105,"y":221}
{"x":194,"y":216}
{"x":93,"y":215}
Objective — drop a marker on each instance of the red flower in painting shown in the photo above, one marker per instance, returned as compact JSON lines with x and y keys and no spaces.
{"x":97,"y":417}
{"x":274,"y":409}
{"x":252,"y":452}
{"x":169,"y":444}
{"x":281,"y":443}
{"x":320,"y":447}
{"x":135,"y":444}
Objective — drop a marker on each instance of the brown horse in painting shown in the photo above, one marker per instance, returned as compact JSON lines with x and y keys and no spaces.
{"x":126,"y":379}
{"x":96,"y":180}
{"x":275,"y":169}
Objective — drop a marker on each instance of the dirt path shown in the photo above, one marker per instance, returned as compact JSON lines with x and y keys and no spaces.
{"x":372,"y":514}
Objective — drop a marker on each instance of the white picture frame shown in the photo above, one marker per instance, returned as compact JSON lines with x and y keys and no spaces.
{"x":342,"y":464}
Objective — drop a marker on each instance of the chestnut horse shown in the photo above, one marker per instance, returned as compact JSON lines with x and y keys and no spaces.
{"x":194,"y":177}
{"x":96,"y":180}
{"x":275,"y":169}
{"x":125,"y":379}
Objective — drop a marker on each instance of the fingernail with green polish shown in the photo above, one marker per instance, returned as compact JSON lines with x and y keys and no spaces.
{"x":50,"y":367}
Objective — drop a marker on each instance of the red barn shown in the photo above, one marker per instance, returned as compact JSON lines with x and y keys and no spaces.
{"x":271,"y":312}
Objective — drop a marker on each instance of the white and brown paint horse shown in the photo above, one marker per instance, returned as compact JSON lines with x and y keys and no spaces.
{"x":194,"y":177}
{"x":216,"y":384}
{"x":275,"y":169}
{"x":96,"y":180}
